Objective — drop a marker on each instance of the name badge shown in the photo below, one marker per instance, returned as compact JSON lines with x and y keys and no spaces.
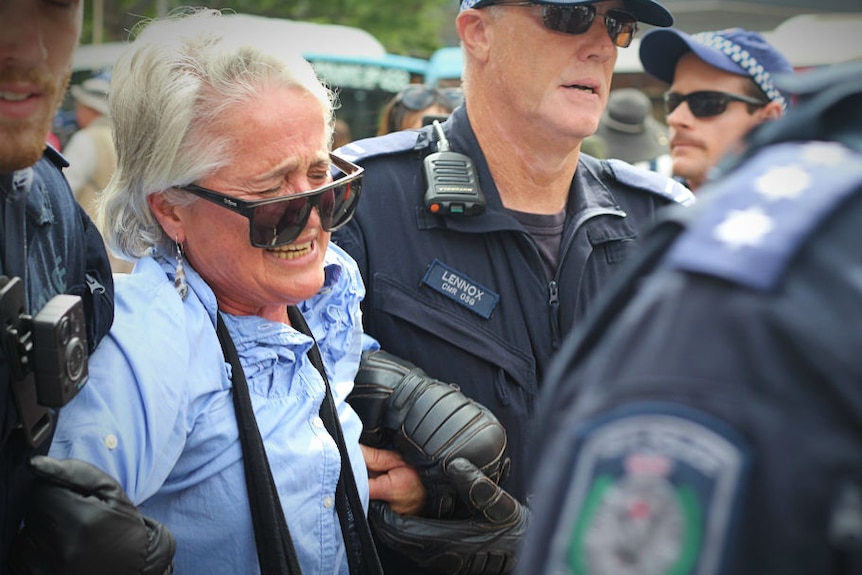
{"x":461,"y":289}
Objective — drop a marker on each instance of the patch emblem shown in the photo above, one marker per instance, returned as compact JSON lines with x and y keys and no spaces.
{"x":460,"y":288}
{"x":653,"y":493}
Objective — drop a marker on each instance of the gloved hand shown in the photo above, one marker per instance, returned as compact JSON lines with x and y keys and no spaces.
{"x":79,"y":521}
{"x":485,"y":544}
{"x":429,"y":423}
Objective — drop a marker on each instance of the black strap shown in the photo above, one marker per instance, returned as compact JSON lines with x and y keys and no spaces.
{"x":275,"y":550}
{"x":14,"y":227}
{"x":361,"y":551}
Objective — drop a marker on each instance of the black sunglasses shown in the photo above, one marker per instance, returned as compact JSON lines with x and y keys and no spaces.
{"x":706,"y":103}
{"x":419,"y":97}
{"x":279,"y":221}
{"x":575,"y":20}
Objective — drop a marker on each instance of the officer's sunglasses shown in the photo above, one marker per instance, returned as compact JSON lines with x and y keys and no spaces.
{"x":279,"y":221}
{"x":575,"y":20}
{"x":706,"y":103}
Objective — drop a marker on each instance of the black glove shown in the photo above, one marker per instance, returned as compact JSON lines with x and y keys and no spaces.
{"x":430,"y":423}
{"x":79,"y":521}
{"x":485,"y":544}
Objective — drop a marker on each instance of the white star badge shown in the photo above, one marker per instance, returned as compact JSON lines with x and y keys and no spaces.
{"x":743,"y":228}
{"x":824,"y":153}
{"x":782,"y":182}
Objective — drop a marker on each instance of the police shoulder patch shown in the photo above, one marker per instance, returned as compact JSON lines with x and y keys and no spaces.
{"x":760,"y":215}
{"x":650,"y":181}
{"x":654,"y":488}
{"x":388,"y":144}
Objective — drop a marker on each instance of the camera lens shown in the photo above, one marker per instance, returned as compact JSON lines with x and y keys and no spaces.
{"x":64,"y":331}
{"x":76,"y":357}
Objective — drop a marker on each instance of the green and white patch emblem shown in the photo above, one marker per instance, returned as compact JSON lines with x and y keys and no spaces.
{"x":654,"y":489}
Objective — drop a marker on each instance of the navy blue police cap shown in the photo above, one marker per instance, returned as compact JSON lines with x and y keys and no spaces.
{"x":647,"y":11}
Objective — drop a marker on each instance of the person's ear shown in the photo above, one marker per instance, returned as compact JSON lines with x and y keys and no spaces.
{"x":473,"y":29}
{"x":167,"y":215}
{"x":772,"y":111}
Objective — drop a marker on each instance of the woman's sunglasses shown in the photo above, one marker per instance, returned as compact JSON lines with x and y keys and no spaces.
{"x":419,"y":97}
{"x":577,"y":19}
{"x":279,"y":221}
{"x":706,"y":103}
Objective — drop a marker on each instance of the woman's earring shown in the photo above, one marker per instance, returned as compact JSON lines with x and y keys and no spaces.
{"x":180,"y":277}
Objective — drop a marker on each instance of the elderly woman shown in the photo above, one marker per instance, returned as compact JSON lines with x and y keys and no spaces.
{"x":225,"y":193}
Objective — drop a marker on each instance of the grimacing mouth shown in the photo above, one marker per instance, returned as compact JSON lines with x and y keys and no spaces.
{"x":292,"y":251}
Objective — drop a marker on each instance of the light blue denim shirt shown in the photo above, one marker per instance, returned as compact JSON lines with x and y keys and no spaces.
{"x":157,"y":414}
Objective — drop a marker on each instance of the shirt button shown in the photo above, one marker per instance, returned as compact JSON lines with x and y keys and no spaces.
{"x":111,"y":441}
{"x":327,"y":502}
{"x":317,"y":422}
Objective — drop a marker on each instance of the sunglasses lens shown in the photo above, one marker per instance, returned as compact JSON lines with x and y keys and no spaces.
{"x":701,"y":104}
{"x":417,"y":98}
{"x":338,"y":205}
{"x":672,"y":100}
{"x":578,"y":19}
{"x":568,"y":19}
{"x":707,"y":104}
{"x":621,"y":27}
{"x":281,"y":222}
{"x":343,"y":202}
{"x":454,"y":96}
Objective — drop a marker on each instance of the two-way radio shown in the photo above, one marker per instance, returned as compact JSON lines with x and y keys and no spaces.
{"x":453,"y":188}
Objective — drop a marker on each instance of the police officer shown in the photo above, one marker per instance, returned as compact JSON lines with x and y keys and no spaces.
{"x":483,"y":240}
{"x":720,"y":87}
{"x":708,"y":417}
{"x":77,"y":521}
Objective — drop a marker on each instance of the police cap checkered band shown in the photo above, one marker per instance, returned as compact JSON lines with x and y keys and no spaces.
{"x":745,"y":60}
{"x":647,"y":11}
{"x":734,"y":50}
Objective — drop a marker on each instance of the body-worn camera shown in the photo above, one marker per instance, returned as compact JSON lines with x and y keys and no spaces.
{"x":47,"y":354}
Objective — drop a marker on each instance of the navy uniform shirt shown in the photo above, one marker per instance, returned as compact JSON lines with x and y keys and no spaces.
{"x":48,"y":238}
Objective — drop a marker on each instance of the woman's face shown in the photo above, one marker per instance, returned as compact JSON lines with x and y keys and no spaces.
{"x":279,"y":147}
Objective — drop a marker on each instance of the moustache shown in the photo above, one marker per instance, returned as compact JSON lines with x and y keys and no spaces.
{"x":678,"y":141}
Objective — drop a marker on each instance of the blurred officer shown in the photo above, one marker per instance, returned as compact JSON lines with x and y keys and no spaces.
{"x":484,"y":239}
{"x":90,"y":151}
{"x":720,"y":88}
{"x":77,"y":520}
{"x":708,"y":417}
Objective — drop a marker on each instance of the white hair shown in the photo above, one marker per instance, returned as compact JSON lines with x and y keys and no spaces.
{"x":176,"y":78}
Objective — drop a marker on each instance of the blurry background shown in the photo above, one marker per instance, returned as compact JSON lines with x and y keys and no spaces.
{"x":368,"y":50}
